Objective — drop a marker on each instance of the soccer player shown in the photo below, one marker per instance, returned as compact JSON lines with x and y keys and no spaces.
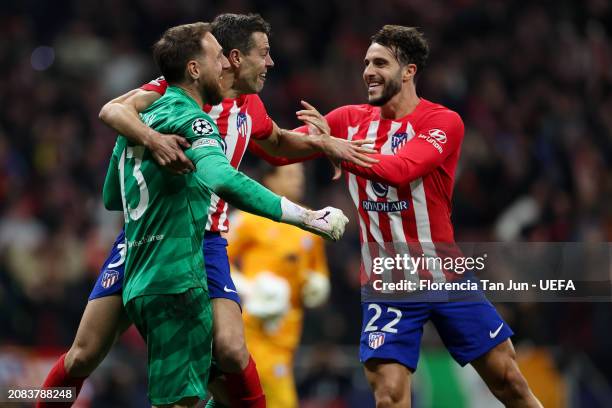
{"x":165,"y":292}
{"x":283,"y":269}
{"x":241,"y":117}
{"x":406,"y":198}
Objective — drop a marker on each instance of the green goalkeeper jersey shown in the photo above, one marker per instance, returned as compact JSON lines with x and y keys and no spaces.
{"x":165,"y":215}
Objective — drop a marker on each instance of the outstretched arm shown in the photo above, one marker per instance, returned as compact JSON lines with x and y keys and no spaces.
{"x":215,"y":172}
{"x":293,"y":146}
{"x":122,"y":114}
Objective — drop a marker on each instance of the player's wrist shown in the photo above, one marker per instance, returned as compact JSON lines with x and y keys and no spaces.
{"x":150,"y":138}
{"x":317,"y":142}
{"x":292,"y":213}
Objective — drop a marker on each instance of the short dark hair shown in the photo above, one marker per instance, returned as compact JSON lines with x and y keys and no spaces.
{"x":177,"y":46}
{"x":234,"y":31}
{"x":407,"y":44}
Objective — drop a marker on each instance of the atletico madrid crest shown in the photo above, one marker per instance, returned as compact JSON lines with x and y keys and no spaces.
{"x":398,"y":140}
{"x":242,"y":124}
{"x":376,"y":339}
{"x":109,"y":278}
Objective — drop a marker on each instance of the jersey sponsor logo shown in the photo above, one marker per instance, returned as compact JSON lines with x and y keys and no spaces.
{"x":438,"y":134}
{"x":493,"y":334}
{"x":202,"y":127}
{"x":376,"y":339}
{"x":435,"y":137}
{"x":109,"y":279}
{"x":381,"y":206}
{"x":380,"y":189}
{"x":242,"y":124}
{"x":398,"y":140}
{"x":204,"y":142}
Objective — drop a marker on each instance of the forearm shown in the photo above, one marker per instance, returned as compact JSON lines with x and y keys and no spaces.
{"x":238,"y":189}
{"x":276,"y":160}
{"x":126,"y":121}
{"x":293,"y":145}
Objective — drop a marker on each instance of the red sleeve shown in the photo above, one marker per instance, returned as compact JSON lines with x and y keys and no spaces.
{"x":158,"y":85}
{"x":436,"y":138}
{"x":261,"y":122}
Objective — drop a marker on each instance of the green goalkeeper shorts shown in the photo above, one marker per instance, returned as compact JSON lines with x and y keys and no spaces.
{"x":178,"y":332}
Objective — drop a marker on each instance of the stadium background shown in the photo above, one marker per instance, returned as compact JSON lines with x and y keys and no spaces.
{"x":532,"y":81}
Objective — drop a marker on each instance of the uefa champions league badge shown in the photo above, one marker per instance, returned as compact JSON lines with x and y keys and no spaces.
{"x":202,"y":127}
{"x":376,"y":339}
{"x":109,"y":278}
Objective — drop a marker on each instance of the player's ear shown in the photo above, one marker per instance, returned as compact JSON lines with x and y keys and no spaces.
{"x":235,"y":58}
{"x":193,"y":69}
{"x":410,"y":71}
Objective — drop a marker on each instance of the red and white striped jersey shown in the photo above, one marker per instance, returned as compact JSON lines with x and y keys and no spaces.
{"x":406,"y":197}
{"x":238,"y":120}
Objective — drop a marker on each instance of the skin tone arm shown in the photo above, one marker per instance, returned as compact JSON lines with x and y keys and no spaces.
{"x":290,"y":144}
{"x":121,"y":114}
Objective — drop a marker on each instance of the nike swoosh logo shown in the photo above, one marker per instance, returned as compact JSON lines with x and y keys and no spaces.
{"x":496,"y":332}
{"x":228,"y":290}
{"x":323,"y":217}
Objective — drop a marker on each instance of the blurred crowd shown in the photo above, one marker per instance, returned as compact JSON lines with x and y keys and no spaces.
{"x":532,"y":81}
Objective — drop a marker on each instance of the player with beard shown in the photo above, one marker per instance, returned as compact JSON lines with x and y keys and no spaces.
{"x":406,"y":198}
{"x":165,"y":292}
{"x":241,"y":118}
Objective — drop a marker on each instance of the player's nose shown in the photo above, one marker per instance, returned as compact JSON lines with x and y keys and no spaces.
{"x":269,"y":61}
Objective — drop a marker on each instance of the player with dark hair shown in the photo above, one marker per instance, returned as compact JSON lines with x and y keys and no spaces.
{"x":406,"y":198}
{"x":165,"y":293}
{"x":241,"y":119}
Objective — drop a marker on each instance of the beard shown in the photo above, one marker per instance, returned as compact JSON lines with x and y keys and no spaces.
{"x":211,"y":91}
{"x":390,"y":89}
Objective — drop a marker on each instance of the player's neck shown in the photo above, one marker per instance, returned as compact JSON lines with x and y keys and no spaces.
{"x":194,"y":94}
{"x":230,"y":90}
{"x":402,"y":104}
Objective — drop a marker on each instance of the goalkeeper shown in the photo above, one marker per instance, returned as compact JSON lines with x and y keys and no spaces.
{"x":282,"y":270}
{"x":165,"y":292}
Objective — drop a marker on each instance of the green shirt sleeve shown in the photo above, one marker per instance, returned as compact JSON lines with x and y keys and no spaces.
{"x":214,"y":171}
{"x":111,"y":192}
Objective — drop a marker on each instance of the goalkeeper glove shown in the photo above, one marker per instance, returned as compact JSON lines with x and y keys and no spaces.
{"x":269,"y":299}
{"x":328,"y":222}
{"x":316,"y":289}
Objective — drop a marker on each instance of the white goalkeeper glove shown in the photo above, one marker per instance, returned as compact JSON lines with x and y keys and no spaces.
{"x":328,"y":222}
{"x":316,"y":289}
{"x":268,"y":299}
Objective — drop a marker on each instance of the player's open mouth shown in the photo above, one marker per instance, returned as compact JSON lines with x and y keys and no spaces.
{"x":374,"y":85}
{"x":262,"y":77}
